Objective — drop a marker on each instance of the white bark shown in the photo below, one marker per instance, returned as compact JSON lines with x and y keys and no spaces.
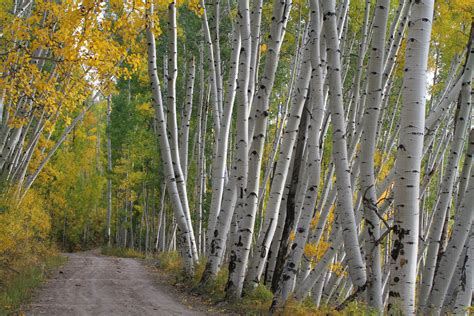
{"x":172,"y":123}
{"x":466,"y":286}
{"x":186,"y":120}
{"x":312,"y":168}
{"x":165,"y":150}
{"x":239,"y":251}
{"x":219,"y":164}
{"x":451,"y":171}
{"x":109,"y":174}
{"x":249,"y":202}
{"x":460,"y":231}
{"x":368,"y":148}
{"x":258,"y":259}
{"x":408,"y":164}
{"x":344,"y":207}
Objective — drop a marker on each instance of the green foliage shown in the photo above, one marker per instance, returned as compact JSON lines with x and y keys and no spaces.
{"x":18,"y":288}
{"x":72,"y":186}
{"x":121,"y":252}
{"x":257,"y":302}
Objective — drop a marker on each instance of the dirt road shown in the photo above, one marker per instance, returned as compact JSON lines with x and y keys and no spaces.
{"x":91,"y":284}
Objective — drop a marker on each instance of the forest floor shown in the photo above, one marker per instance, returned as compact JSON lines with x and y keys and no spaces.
{"x":93,"y":284}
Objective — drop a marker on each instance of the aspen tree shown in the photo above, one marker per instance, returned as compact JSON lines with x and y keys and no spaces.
{"x":344,"y":205}
{"x":368,"y":146}
{"x":451,"y":170}
{"x":408,"y":163}
{"x":166,"y":154}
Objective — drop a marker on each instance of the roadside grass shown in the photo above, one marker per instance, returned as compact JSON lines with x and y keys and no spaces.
{"x":257,"y":302}
{"x":121,"y":252}
{"x":212,"y":293}
{"x":16,"y":289}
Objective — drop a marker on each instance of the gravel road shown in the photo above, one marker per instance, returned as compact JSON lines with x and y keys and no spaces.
{"x":91,"y":284}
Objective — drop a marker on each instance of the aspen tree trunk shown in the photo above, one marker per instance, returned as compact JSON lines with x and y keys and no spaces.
{"x":313,"y":165}
{"x":448,"y":261}
{"x":344,"y":206}
{"x":165,"y":152}
{"x":298,"y":166}
{"x":239,"y":251}
{"x":368,"y":148}
{"x":172,"y":123}
{"x":357,"y":79}
{"x":214,"y":73}
{"x":161,"y":230}
{"x":249,"y":203}
{"x":460,"y":231}
{"x":218,"y":178}
{"x":215,"y":27}
{"x":464,"y":294}
{"x":217,"y":237}
{"x":262,"y":246}
{"x":408,"y":163}
{"x":219,"y":164}
{"x":186,"y":120}
{"x":201,"y":144}
{"x":451,"y":171}
{"x":256,"y":20}
{"x":273,"y":253}
{"x":109,"y":174}
{"x":466,"y":170}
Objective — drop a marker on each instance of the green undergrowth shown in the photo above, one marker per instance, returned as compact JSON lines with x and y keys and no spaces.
{"x":308,"y":308}
{"x":122,"y":252}
{"x":17,"y":287}
{"x":212,"y":292}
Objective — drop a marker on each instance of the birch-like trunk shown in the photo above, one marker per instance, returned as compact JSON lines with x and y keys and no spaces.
{"x":165,"y":150}
{"x":239,"y":250}
{"x":344,"y":206}
{"x":262,"y":246}
{"x":460,"y":231}
{"x":186,"y":120}
{"x":248,"y":208}
{"x":217,"y":237}
{"x":313,"y":164}
{"x":408,"y":163}
{"x":109,"y":174}
{"x":451,"y":172}
{"x":368,"y":148}
{"x":172,"y":123}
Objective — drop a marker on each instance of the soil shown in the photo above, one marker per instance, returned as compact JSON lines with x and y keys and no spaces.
{"x":92,"y":284}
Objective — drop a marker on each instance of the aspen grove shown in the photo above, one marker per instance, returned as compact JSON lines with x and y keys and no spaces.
{"x":319,"y":150}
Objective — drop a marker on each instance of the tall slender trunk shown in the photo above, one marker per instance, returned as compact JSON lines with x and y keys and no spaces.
{"x":368,"y":148}
{"x":450,"y":174}
{"x":109,"y":174}
{"x":408,"y":163}
{"x":239,"y":251}
{"x":344,"y":207}
{"x":262,"y":246}
{"x":166,"y":154}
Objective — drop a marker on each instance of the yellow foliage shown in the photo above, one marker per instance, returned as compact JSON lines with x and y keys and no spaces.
{"x":315,"y":220}
{"x":338,"y":269}
{"x":62,"y":51}
{"x":316,"y":252}
{"x":292,"y":235}
{"x":24,"y":231}
{"x":146,"y":109}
